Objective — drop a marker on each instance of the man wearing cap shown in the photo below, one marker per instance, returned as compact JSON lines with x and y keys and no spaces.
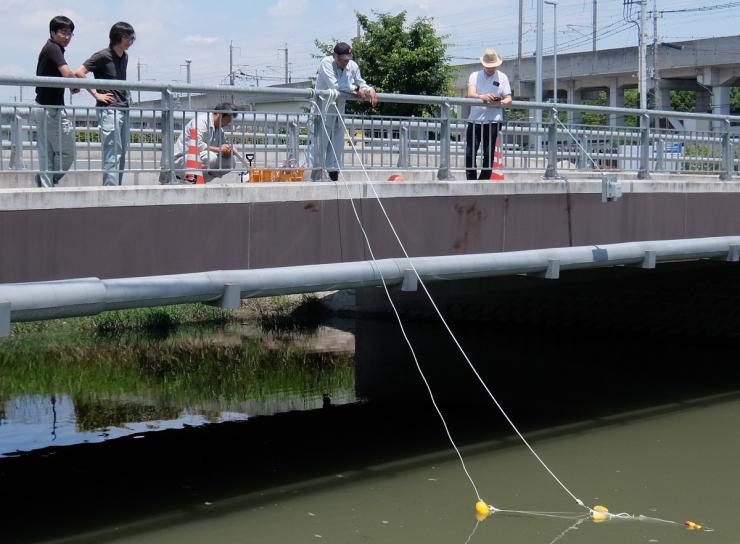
{"x":336,"y":72}
{"x":215,"y":152}
{"x":492,"y":87}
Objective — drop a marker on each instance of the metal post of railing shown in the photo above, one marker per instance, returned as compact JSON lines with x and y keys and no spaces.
{"x":293,"y":147}
{"x":403,"y":147}
{"x":643,"y":172}
{"x":659,"y":154}
{"x":16,"y":143}
{"x":728,"y":154}
{"x":583,"y":162}
{"x":168,"y":135}
{"x":551,"y":170}
{"x":443,"y":173}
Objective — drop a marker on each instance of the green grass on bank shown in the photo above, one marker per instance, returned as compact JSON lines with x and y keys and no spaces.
{"x":186,"y":370}
{"x":158,"y":318}
{"x":184,"y":355}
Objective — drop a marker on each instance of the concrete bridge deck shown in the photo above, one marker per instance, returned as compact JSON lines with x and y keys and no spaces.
{"x":135,"y":231}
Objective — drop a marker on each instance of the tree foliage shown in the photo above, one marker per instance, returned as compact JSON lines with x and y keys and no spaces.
{"x":398,"y":58}
{"x":683,"y":100}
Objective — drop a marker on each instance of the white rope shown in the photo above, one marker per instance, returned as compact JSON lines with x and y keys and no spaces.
{"x":395,"y":311}
{"x":470,"y":536}
{"x":593,"y":162}
{"x":562,"y":515}
{"x":568,"y":530}
{"x":558,"y":515}
{"x":444,"y":322}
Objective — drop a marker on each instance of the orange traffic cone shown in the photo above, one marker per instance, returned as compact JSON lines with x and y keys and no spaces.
{"x":193,"y":166}
{"x":498,"y":162}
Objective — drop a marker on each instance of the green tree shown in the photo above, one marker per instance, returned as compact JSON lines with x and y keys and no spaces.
{"x":590,"y":118}
{"x":398,"y":58}
{"x":735,"y":100}
{"x":631,"y":100}
{"x":683,"y":101}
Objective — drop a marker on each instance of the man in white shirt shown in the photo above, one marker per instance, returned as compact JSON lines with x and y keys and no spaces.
{"x":337,"y":71}
{"x":493,"y":88}
{"x":214,"y":151}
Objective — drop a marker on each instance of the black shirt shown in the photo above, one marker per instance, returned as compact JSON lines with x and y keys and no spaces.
{"x":105,"y":64}
{"x":50,"y":59}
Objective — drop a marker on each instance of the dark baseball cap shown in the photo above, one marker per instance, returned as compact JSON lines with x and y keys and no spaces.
{"x":343,"y":51}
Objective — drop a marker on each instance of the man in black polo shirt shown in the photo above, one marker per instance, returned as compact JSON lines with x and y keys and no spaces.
{"x":112,"y":105}
{"x":55,"y":141}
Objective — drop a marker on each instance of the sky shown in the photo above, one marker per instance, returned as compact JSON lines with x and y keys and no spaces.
{"x":169,"y":31}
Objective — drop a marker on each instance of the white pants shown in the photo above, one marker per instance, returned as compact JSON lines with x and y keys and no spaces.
{"x":322,"y":153}
{"x":214,"y":165}
{"x":55,"y":144}
{"x":114,"y":139}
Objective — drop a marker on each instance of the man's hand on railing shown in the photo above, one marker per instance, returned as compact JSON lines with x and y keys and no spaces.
{"x":369,"y":96}
{"x":489,"y":98}
{"x":225,"y":150}
{"x":105,"y":98}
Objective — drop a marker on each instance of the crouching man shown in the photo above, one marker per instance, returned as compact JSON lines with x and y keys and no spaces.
{"x":215,"y":153}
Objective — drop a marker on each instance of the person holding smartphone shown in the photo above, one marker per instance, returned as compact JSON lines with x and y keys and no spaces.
{"x":493,"y":88}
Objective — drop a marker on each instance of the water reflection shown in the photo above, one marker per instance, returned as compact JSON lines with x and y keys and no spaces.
{"x":643,"y":424}
{"x":61,"y":390}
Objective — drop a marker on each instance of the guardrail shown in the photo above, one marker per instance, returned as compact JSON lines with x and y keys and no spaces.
{"x":380,"y":142}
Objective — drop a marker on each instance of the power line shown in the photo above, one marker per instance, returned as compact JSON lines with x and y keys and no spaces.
{"x":703,"y":8}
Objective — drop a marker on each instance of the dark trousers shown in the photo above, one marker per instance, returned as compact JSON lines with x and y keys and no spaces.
{"x":473,"y":136}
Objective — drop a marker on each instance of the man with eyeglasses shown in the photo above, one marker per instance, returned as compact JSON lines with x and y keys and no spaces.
{"x":55,"y":142}
{"x":326,"y":149}
{"x":112,"y":105}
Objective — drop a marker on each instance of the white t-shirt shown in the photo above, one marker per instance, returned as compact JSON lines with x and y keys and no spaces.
{"x":498,"y":84}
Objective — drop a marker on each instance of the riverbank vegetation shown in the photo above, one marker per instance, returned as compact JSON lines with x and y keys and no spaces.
{"x":190,"y":356}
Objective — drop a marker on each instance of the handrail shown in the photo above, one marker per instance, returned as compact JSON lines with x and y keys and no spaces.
{"x":539,"y":145}
{"x":308,"y":94}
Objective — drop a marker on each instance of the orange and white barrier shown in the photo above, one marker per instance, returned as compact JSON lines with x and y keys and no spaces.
{"x":497,"y":166}
{"x":193,"y":166}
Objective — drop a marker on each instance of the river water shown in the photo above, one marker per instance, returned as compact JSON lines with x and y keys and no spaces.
{"x":341,"y":442}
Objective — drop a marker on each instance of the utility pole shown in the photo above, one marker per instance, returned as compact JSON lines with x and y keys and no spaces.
{"x":538,"y":76}
{"x":138,"y":78}
{"x":538,"y":62}
{"x":657,"y":102}
{"x":519,"y":48}
{"x":231,"y":63}
{"x":286,"y":62}
{"x":643,"y":55}
{"x":187,"y":63}
{"x":593,"y":23}
{"x":554,"y":49}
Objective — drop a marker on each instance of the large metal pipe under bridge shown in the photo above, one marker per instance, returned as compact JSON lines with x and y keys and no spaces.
{"x":226,"y":288}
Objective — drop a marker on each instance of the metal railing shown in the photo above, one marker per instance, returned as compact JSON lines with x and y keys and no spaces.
{"x":380,"y":142}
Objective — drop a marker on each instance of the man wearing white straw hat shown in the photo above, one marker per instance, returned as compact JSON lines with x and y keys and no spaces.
{"x":492,"y":87}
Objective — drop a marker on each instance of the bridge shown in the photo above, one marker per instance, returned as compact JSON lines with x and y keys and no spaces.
{"x":79,"y":250}
{"x":709,"y":67}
